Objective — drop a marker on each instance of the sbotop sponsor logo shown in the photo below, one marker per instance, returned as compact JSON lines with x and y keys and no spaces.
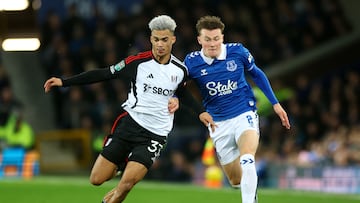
{"x":157,"y":90}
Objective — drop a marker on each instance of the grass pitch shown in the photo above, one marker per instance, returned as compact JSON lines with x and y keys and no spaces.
{"x":79,"y":190}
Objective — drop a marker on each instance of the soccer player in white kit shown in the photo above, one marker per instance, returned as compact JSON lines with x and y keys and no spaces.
{"x":138,"y":135}
{"x":218,"y":70}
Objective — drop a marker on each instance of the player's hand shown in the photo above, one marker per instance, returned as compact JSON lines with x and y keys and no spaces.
{"x":51,"y":83}
{"x":207,"y":120}
{"x":173,"y":104}
{"x":109,"y":196}
{"x":282,"y":115}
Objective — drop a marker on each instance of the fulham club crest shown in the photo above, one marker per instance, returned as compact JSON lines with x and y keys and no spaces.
{"x":174,"y":78}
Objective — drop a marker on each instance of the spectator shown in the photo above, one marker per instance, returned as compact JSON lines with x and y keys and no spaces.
{"x":19,"y":133}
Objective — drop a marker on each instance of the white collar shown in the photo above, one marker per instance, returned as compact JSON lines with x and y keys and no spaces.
{"x":209,"y":60}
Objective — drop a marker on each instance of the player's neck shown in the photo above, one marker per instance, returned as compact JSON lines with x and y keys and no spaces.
{"x":163,"y":59}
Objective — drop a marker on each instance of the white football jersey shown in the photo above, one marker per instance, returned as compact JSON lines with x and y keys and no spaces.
{"x":151,"y":86}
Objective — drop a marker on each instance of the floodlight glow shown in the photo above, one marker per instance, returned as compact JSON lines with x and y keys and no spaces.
{"x":13,"y":5}
{"x":21,"y":44}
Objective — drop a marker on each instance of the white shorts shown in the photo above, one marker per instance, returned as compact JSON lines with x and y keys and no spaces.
{"x":228,"y":133}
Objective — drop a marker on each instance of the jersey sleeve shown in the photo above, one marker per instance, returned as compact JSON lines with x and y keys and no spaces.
{"x":98,"y":75}
{"x":257,"y":74}
{"x":187,"y":99}
{"x":263,"y":83}
{"x":247,"y":59}
{"x":88,"y":77}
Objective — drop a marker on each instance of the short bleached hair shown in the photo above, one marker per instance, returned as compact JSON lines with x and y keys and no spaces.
{"x":162,"y":22}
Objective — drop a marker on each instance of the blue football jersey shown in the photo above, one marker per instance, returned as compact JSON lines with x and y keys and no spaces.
{"x":222,"y":83}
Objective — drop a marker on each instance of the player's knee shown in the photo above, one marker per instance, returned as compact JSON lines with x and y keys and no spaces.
{"x":96,"y":180}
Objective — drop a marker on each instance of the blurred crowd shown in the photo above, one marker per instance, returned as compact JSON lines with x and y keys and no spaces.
{"x":324,"y":111}
{"x":325,"y":117}
{"x":14,"y":130}
{"x":272,"y":30}
{"x":17,"y":136}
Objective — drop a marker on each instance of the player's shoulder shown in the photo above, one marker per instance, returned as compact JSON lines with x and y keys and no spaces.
{"x":193,"y":59}
{"x":177,"y":61}
{"x":141,"y":56}
{"x":235,"y":47}
{"x":192,"y":56}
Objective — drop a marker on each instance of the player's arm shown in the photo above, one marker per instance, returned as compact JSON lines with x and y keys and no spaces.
{"x":257,"y":74}
{"x":88,"y":77}
{"x":80,"y":79}
{"x":173,"y":104}
{"x":263,"y":83}
{"x":187,"y":99}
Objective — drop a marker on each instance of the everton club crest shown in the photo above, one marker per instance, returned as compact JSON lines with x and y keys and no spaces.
{"x":231,"y":65}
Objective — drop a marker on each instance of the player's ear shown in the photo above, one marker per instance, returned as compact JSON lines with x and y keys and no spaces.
{"x":173,"y":39}
{"x":199,"y":39}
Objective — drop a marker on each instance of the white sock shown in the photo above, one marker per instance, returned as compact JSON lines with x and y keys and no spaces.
{"x":249,"y":178}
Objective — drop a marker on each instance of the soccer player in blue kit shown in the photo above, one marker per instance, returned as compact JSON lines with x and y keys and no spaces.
{"x":218,"y":70}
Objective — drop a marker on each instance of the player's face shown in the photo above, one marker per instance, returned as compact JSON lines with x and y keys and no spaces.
{"x":211,"y":41}
{"x":162,"y":42}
